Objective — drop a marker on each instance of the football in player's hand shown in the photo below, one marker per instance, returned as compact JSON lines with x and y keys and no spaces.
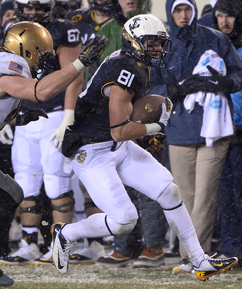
{"x":148,"y":109}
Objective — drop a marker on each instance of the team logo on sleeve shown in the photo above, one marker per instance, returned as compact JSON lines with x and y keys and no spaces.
{"x":16,"y":67}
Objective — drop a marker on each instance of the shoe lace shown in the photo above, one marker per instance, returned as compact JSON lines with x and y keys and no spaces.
{"x":210,"y":257}
{"x":66,"y":250}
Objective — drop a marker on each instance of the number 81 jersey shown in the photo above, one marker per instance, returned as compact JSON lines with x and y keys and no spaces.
{"x":92,"y":109}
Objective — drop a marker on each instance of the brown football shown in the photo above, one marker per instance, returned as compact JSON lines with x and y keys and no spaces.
{"x":148,"y":109}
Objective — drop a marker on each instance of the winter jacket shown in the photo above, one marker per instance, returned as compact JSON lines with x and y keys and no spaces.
{"x":233,"y":8}
{"x":188,"y":44}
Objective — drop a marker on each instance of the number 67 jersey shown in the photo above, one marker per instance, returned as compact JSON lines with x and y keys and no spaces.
{"x":92,"y":109}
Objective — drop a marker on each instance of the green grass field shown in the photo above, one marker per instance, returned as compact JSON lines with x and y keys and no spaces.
{"x":95,"y":277}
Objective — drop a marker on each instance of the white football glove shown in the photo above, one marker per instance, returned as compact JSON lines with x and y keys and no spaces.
{"x":58,"y":134}
{"x":166,"y":112}
{"x":6,"y":135}
{"x":152,"y":128}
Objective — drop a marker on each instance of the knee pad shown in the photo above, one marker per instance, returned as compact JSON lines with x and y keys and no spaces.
{"x":11,"y":187}
{"x":115,"y":228}
{"x":68,"y":206}
{"x":170,"y":198}
{"x":35,"y":209}
{"x":89,"y":205}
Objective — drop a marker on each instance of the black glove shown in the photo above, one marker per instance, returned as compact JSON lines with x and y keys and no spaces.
{"x":218,"y":83}
{"x":190,"y":84}
{"x":30,"y":115}
{"x":92,"y":50}
{"x":71,"y":143}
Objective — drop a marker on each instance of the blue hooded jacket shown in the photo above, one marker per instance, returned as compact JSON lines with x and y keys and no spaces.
{"x":188,"y":45}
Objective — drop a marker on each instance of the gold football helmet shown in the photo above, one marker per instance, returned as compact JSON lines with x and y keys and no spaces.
{"x":31,"y":41}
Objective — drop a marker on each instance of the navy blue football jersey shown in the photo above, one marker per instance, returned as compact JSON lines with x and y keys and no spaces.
{"x":92,"y":109}
{"x":84,"y":21}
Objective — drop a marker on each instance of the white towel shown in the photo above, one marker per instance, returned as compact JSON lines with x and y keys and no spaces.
{"x":217,"y":120}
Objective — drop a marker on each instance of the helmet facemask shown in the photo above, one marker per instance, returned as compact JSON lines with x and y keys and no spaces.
{"x":106,"y":6}
{"x":41,"y":18}
{"x":60,"y":8}
{"x":45,"y":64}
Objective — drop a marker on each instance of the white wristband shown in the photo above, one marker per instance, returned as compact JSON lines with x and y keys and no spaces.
{"x":152,"y":127}
{"x":78,"y":65}
{"x":68,"y":118}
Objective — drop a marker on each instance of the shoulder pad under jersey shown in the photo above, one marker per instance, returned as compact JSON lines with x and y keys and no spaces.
{"x":64,"y":33}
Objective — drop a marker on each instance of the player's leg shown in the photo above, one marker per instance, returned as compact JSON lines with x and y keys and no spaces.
{"x":6,"y":168}
{"x":11,"y":195}
{"x":183,"y":161}
{"x":142,"y":172}
{"x":58,"y":184}
{"x":107,"y":191}
{"x":129,"y":246}
{"x":28,"y":174}
{"x":86,"y":250}
{"x":152,"y":218}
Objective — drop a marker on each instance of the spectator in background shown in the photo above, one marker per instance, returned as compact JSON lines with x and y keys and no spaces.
{"x":74,"y":4}
{"x":60,"y":8}
{"x":207,"y":19}
{"x":6,"y":12}
{"x":196,"y":162}
{"x":206,"y":9}
{"x":228,"y":19}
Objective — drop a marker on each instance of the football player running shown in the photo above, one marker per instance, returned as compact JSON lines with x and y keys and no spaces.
{"x":104,"y":158}
{"x":26,"y":49}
